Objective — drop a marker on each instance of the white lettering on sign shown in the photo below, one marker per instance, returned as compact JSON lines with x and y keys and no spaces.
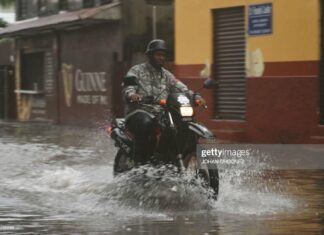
{"x":87,"y":87}
{"x":83,"y":99}
{"x":85,"y":82}
{"x":260,"y":19}
{"x":92,"y":99}
{"x":261,"y":10}
{"x":99,"y":99}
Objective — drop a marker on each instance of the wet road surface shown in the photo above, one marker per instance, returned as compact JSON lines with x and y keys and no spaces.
{"x":58,"y":180}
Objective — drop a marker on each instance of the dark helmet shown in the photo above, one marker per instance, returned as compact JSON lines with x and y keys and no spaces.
{"x":155,"y":45}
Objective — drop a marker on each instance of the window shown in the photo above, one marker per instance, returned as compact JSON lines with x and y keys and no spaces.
{"x":47,"y":7}
{"x":63,"y":5}
{"x":88,"y":3}
{"x":26,"y":9}
{"x":75,"y":4}
{"x":32,"y":70}
{"x":103,"y":2}
{"x":95,"y":3}
{"x":21,"y":9}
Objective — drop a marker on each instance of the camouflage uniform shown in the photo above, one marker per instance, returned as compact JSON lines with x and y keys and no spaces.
{"x":151,"y":82}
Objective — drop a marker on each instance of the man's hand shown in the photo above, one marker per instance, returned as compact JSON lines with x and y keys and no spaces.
{"x":135,"y":98}
{"x":199,"y":101}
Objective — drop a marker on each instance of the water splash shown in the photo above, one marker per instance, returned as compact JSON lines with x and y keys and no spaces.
{"x":77,"y":178}
{"x":148,"y":190}
{"x":252,"y":188}
{"x":159,"y":189}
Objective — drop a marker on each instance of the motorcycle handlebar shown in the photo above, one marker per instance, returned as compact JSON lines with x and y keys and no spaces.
{"x":152,"y":100}
{"x":146,"y":100}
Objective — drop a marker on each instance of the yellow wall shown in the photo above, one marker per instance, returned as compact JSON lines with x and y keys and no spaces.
{"x":295,"y":37}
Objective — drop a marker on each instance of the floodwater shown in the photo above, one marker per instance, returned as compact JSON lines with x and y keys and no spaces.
{"x":58,"y":180}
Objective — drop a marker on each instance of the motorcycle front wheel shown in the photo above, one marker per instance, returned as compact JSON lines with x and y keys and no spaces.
{"x":210,"y":176}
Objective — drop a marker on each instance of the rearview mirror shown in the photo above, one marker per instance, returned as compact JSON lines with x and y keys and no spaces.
{"x":210,"y":83}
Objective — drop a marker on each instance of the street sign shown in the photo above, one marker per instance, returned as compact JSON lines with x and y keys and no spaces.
{"x":260,"y":19}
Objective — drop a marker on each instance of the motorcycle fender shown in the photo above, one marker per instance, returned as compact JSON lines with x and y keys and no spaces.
{"x":200,"y":130}
{"x":121,"y":140}
{"x":139,"y":111}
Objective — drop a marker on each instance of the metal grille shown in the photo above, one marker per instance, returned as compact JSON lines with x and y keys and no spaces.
{"x":21,"y":9}
{"x":229,"y":63}
{"x":26,"y":9}
{"x":322,"y":66}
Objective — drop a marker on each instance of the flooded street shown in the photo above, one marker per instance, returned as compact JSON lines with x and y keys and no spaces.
{"x":58,"y":180}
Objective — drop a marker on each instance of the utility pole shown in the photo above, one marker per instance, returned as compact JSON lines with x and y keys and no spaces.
{"x":154,"y":23}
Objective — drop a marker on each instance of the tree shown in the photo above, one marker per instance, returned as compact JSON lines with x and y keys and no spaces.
{"x":6,"y":3}
{"x":3,"y":23}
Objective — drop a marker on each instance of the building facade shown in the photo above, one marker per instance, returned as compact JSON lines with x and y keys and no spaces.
{"x":71,"y":55}
{"x":7,"y":79}
{"x":267,"y":57}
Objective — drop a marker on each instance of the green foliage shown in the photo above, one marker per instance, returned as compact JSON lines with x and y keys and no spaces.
{"x":3,"y":23}
{"x":7,"y":3}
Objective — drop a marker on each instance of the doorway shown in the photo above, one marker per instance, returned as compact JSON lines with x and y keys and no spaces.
{"x":229,"y":63}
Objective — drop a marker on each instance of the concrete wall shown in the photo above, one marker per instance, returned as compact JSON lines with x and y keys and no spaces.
{"x":283,"y":99}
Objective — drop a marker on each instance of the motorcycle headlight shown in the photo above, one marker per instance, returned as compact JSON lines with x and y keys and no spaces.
{"x":186,"y":111}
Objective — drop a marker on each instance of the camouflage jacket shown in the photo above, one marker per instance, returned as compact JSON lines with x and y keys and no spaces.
{"x":151,"y":82}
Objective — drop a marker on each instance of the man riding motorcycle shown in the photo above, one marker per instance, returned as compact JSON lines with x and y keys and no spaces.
{"x":151,"y":80}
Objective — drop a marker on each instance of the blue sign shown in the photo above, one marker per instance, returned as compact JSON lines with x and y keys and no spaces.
{"x":260,"y":19}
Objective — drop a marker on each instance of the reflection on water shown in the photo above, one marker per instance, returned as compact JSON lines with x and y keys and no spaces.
{"x":58,"y":180}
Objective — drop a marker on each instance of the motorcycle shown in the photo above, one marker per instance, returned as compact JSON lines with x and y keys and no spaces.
{"x":177,"y":137}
